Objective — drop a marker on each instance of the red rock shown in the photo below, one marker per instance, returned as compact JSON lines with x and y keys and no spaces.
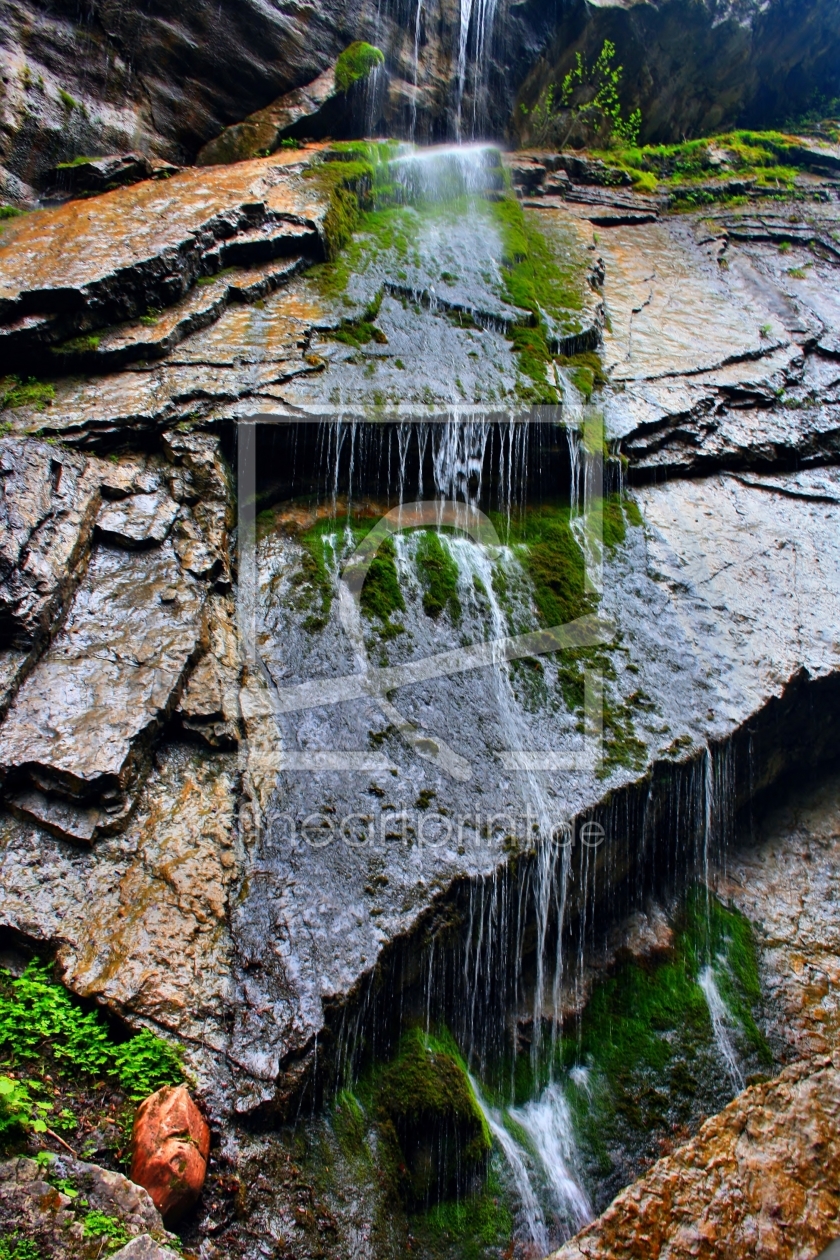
{"x":170,"y":1144}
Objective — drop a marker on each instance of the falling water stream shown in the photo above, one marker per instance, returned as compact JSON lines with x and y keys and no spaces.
{"x":489,"y":773}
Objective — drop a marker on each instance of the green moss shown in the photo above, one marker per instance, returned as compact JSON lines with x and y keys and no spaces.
{"x":225,"y":271}
{"x":69,"y":102}
{"x":771,"y":159}
{"x":81,"y":160}
{"x":377,"y":232}
{"x":88,"y":343}
{"x":312,"y":582}
{"x":425,"y":1096}
{"x":439,"y":577}
{"x":474,"y":1227}
{"x":536,"y":281}
{"x":381,"y":595}
{"x":348,"y":1123}
{"x":32,"y":393}
{"x":645,"y":1026}
{"x":356,"y":62}
{"x":9,"y":212}
{"x":551,"y":556}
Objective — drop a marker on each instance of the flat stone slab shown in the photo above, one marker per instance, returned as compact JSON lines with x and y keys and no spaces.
{"x":87,"y":264}
{"x":141,"y":520}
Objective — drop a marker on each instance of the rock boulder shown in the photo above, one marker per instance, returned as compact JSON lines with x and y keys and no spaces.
{"x":170,"y":1146}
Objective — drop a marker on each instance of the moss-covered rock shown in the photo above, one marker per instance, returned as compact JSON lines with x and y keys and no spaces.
{"x":356,"y":62}
{"x":427,"y":1103}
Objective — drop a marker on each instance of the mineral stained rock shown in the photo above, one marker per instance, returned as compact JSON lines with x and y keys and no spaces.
{"x":759,"y":1179}
{"x":170,"y":1144}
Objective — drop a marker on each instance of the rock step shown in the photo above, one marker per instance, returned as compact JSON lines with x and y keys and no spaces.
{"x":155,"y":335}
{"x":90,"y":264}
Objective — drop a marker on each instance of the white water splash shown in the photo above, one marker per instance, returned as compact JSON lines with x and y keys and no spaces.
{"x":514,"y":1155}
{"x":548,"y":1123}
{"x":721,"y":1025}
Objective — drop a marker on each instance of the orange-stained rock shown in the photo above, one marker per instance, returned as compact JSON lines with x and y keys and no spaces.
{"x":169,"y":1149}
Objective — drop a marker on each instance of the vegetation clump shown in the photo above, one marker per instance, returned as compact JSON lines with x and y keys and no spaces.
{"x":381,"y":595}
{"x":588,"y":108}
{"x":15,"y":392}
{"x":429,"y":1110}
{"x":714,"y":168}
{"x":439,"y":576}
{"x":40,"y":1020}
{"x":646,"y":1040}
{"x":536,"y":282}
{"x":357,"y":62}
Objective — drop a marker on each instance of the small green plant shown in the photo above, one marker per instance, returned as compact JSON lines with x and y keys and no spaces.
{"x":17,"y":1109}
{"x":589,"y":105}
{"x":356,"y":62}
{"x":151,"y":317}
{"x":69,"y":102}
{"x":288,"y":142}
{"x":38,"y":1015}
{"x":112,"y":1232}
{"x":13,"y":1247}
{"x":9,"y":212}
{"x":765,"y":331}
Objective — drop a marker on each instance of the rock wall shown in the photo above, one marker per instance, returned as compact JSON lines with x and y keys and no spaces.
{"x":116,"y":78}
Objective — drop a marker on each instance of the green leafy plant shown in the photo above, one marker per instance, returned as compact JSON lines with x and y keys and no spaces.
{"x":9,"y":212}
{"x":356,"y":62}
{"x":589,"y":106}
{"x":98,"y":1225}
{"x":38,"y":1016}
{"x":12,"y":1247}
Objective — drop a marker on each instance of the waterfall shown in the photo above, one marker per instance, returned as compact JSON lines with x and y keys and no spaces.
{"x":417,"y":21}
{"x":485,"y":14}
{"x":545,"y":1161}
{"x":548,"y":1123}
{"x":721,"y":1023}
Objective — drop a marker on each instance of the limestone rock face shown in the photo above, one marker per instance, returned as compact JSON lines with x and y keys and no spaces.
{"x":72,"y":90}
{"x":169,"y":1149}
{"x":761,"y":1178}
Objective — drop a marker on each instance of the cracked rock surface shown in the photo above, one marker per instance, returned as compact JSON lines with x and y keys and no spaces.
{"x":146,"y":775}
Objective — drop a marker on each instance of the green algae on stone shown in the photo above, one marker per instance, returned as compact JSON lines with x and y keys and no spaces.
{"x":439,"y":577}
{"x":425,"y":1098}
{"x":381,"y":595}
{"x":357,"y":62}
{"x":14,"y":392}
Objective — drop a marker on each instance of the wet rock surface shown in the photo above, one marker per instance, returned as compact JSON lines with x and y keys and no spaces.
{"x":151,"y":766}
{"x":34,"y":1204}
{"x":758,"y":1178}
